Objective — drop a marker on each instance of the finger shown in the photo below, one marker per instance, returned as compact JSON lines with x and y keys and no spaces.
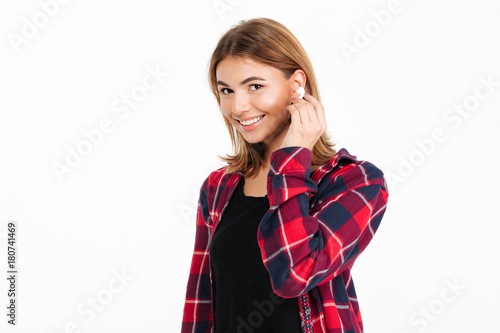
{"x":307,"y":111}
{"x":301,"y":116}
{"x":311,"y":112}
{"x":317,"y":106}
{"x":296,"y":116}
{"x":302,"y":107}
{"x":291,"y":109}
{"x":320,"y":111}
{"x":295,"y":108}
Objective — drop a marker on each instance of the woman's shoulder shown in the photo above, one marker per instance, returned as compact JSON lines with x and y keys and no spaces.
{"x":217,"y":178}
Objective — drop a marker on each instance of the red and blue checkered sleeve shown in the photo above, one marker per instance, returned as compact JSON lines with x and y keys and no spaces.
{"x":303,"y":246}
{"x":197,"y":315}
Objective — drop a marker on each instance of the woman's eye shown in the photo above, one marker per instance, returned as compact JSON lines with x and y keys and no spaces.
{"x":256,"y":85}
{"x":226,"y":91}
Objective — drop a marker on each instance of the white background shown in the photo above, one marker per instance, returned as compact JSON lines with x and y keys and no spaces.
{"x":129,"y":206}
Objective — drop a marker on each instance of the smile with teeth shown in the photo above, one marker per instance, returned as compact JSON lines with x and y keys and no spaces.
{"x":250,"y":122}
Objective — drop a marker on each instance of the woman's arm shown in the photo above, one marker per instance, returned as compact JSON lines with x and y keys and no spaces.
{"x":197,"y":316}
{"x":301,"y":251}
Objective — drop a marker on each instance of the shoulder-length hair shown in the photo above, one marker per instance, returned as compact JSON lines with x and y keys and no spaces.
{"x":269,"y":42}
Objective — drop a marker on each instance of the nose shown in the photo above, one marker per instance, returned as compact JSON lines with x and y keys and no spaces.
{"x":241,"y":103}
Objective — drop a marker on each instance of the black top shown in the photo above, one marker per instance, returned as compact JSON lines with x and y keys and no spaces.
{"x":244,"y":298}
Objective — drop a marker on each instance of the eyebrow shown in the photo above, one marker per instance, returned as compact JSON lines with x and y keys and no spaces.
{"x":248,"y":79}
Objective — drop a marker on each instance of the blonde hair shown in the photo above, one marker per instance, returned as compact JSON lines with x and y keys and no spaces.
{"x":269,"y":42}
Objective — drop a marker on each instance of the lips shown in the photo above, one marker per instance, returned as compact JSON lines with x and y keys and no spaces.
{"x":250,"y":118}
{"x":253,"y":126}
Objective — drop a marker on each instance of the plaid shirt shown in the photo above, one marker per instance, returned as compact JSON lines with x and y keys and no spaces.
{"x":309,"y":238}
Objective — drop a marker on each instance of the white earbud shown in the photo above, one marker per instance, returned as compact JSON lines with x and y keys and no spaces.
{"x":301,"y":91}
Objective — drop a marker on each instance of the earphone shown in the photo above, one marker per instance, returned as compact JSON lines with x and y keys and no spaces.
{"x":301,"y":91}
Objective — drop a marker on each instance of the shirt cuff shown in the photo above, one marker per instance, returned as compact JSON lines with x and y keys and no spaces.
{"x":290,"y":159}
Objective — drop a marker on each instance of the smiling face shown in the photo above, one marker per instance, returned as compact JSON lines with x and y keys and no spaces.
{"x":249,"y":90}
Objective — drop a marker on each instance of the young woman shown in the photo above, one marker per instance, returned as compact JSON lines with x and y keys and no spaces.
{"x":279,"y":227}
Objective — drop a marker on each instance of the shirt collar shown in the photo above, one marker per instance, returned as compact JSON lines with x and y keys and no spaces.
{"x":342,"y":153}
